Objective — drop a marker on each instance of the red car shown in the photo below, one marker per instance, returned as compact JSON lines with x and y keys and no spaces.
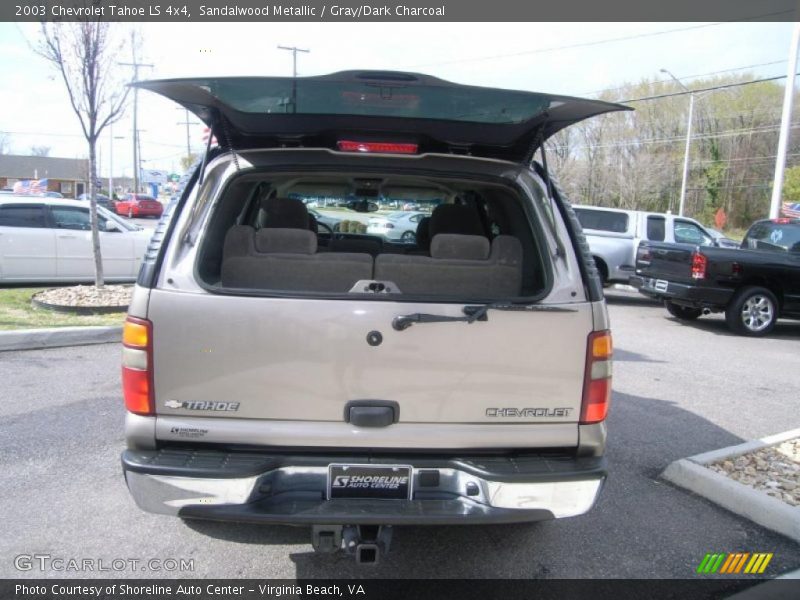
{"x":138,"y":205}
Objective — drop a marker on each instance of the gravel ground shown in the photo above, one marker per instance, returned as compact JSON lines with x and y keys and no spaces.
{"x":774,"y":470}
{"x":87,"y":295}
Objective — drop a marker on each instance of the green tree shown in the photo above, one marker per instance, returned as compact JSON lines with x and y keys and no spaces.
{"x":791,"y":184}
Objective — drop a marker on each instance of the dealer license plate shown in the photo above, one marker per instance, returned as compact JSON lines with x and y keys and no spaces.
{"x":387,"y":482}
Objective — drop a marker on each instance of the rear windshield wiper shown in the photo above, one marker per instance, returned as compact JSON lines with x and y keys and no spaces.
{"x":472,"y":314}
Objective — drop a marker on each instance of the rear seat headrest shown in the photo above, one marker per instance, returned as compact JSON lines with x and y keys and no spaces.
{"x":463,"y":247}
{"x":455,"y":218}
{"x":424,"y":233}
{"x":285,"y":213}
{"x":285,"y":241}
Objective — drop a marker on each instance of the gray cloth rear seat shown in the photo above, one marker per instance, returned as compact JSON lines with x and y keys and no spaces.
{"x":459,"y":265}
{"x":283,"y":256}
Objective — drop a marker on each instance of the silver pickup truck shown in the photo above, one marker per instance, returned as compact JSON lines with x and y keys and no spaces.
{"x":614,"y":235}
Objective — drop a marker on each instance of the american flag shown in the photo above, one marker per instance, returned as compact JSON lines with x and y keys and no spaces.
{"x":30,"y":187}
{"x":791,"y":209}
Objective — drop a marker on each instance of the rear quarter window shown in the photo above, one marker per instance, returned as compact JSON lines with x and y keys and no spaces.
{"x":602,"y":220}
{"x":22,"y":216}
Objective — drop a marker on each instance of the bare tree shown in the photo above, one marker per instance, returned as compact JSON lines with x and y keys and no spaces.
{"x":84,"y":53}
{"x":40,"y":150}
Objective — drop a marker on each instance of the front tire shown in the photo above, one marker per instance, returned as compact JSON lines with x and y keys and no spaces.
{"x":683,"y":313}
{"x":409,"y":237}
{"x":753,"y":311}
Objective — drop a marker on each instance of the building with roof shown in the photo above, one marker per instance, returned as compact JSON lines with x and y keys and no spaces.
{"x":69,"y":176}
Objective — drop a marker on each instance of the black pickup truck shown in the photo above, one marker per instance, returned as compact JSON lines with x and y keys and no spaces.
{"x":753,"y":285}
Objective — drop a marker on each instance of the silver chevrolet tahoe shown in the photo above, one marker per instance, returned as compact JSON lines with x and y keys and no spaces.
{"x":282,"y":365}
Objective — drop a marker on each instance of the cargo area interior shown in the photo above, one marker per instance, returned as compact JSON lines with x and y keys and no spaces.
{"x":396,"y":237}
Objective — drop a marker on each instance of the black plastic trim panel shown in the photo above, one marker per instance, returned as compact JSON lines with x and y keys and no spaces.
{"x":523,"y":467}
{"x":310,"y":510}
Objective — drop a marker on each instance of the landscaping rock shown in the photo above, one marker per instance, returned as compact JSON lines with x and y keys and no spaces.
{"x":87,"y":296}
{"x":774,"y":470}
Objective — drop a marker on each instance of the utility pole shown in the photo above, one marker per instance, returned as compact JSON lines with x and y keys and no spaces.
{"x":294,"y":50}
{"x":786,"y":118}
{"x":135,"y":64}
{"x":685,"y":178}
{"x":187,"y":122}
{"x":111,"y":138}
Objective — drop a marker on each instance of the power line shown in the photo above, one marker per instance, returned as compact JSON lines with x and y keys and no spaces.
{"x":589,"y":44}
{"x":672,"y":140}
{"x":566,"y":47}
{"x":707,"y":89}
{"x":656,"y":81}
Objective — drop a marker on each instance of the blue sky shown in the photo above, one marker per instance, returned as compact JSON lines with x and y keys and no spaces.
{"x":532,"y":56}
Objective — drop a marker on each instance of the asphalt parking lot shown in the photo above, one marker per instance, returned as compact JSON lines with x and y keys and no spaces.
{"x":679,"y":390}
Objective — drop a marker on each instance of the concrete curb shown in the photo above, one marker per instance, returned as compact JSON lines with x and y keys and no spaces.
{"x":691,"y":473}
{"x":30,"y":339}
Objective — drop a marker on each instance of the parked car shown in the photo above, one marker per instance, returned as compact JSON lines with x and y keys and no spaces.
{"x":614,"y":235}
{"x":138,"y":205}
{"x":102,"y":200}
{"x":721,"y":239}
{"x":48,"y":239}
{"x":396,"y":226}
{"x":364,"y":385}
{"x":753,"y":286}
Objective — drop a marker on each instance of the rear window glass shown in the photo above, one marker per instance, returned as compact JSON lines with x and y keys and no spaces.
{"x":371,"y":98}
{"x":774,"y":236}
{"x":602,"y":220}
{"x":393,"y":237}
{"x":656,"y":228}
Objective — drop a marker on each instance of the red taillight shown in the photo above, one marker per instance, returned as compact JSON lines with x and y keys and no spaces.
{"x":380,"y":147}
{"x":597,"y":378}
{"x":137,"y":366}
{"x":699,"y":263}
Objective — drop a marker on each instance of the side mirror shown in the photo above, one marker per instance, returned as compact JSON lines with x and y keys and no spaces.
{"x":111,"y":226}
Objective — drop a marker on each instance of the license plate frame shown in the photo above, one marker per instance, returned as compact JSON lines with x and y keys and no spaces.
{"x":661,"y":285}
{"x":386,"y":489}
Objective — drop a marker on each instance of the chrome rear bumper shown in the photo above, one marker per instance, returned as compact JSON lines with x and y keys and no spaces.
{"x":455,"y":491}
